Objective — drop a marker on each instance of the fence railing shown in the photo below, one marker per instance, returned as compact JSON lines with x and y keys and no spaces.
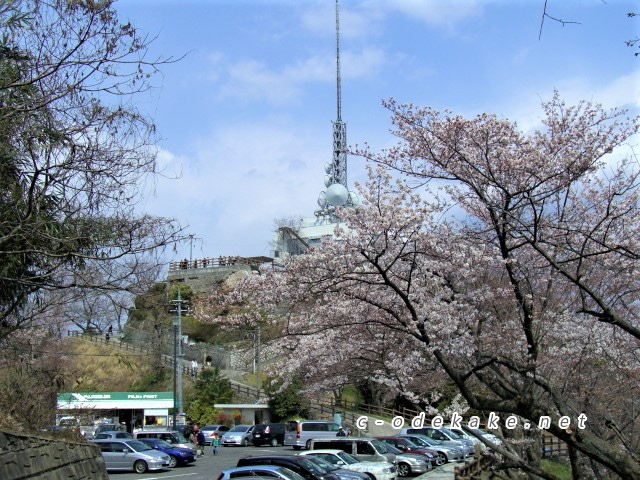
{"x":473,"y":467}
{"x":209,"y":262}
{"x":553,"y":446}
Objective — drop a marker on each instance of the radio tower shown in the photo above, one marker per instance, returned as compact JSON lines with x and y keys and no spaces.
{"x":337,"y":193}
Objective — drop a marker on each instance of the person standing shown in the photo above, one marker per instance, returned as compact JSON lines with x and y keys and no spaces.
{"x":341,"y":433}
{"x":215,"y":443}
{"x":201,"y":443}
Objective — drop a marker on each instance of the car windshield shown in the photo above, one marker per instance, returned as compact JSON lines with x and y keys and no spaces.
{"x":392,"y":449}
{"x":453,"y":435}
{"x":210,"y":427}
{"x":162,"y":443}
{"x":430,"y":441}
{"x":346,"y":458}
{"x":240,"y":428}
{"x":380,"y":446}
{"x":409,"y":442}
{"x":313,"y":467}
{"x":180,"y":438}
{"x":286,"y":473}
{"x":138,"y":446}
{"x":421,"y":442}
{"x":324,"y":464}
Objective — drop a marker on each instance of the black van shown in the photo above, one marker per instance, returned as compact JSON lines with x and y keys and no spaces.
{"x":268,"y":434}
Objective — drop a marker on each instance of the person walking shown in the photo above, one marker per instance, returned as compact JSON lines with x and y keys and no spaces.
{"x":201,"y":443}
{"x":215,"y":443}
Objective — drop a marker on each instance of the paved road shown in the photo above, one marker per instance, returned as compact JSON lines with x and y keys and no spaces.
{"x":209,"y":466}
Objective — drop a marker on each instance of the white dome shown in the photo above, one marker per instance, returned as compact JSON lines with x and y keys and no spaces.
{"x":328,"y":167}
{"x":353,"y":198}
{"x":322,"y":199}
{"x":337,"y":195}
{"x":328,"y":180}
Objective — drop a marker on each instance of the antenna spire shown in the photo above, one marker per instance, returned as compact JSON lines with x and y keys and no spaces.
{"x":337,"y":193}
{"x":338,"y":81}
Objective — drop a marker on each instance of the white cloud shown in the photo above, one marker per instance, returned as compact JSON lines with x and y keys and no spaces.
{"x":252,"y":80}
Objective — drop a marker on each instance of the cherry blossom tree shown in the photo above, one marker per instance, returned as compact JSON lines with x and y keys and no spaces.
{"x":506,"y":260}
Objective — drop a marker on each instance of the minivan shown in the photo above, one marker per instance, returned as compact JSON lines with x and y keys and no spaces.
{"x":299,"y":433}
{"x":268,"y":434}
{"x":362,"y":448}
{"x":171,"y":436}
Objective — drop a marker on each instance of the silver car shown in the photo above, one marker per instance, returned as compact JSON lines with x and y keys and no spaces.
{"x":238,"y":435}
{"x":409,"y":463}
{"x":259,"y":471}
{"x":131,"y":455}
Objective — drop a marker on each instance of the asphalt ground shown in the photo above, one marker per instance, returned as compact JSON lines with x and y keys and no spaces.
{"x":209,"y":466}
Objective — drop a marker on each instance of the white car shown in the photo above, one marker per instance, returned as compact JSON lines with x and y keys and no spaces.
{"x":339,"y":458}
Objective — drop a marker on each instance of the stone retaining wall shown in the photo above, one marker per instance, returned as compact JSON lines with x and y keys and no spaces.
{"x":41,"y":458}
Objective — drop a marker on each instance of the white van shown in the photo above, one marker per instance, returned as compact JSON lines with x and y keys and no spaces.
{"x":299,"y":433}
{"x":363,"y":448}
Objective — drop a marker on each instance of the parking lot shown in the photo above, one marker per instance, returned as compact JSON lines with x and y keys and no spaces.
{"x":209,"y":466}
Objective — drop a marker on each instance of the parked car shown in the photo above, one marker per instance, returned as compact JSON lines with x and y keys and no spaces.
{"x":209,"y":430}
{"x":109,"y":427}
{"x":177,"y":455}
{"x":299,"y":433}
{"x":363,"y":448}
{"x":343,"y":473}
{"x":238,"y":435}
{"x":340,"y":458}
{"x":409,"y":463}
{"x":132,"y":455}
{"x":445,"y":452}
{"x":268,"y":434}
{"x":447,"y":437}
{"x":173,"y":437}
{"x":259,"y":472}
{"x":489,"y":436}
{"x":107,"y":435}
{"x":407,"y":446}
{"x":304,"y":467}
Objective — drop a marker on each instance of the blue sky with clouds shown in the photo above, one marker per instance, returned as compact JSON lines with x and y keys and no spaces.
{"x":245,"y":116}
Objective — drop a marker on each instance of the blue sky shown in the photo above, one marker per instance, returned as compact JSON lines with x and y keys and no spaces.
{"x":245,"y":117}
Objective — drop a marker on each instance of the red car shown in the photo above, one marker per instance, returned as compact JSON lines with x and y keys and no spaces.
{"x":407,"y":446}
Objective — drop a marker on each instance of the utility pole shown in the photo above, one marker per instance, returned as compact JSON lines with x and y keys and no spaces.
{"x":258,"y":376}
{"x":177,"y":353}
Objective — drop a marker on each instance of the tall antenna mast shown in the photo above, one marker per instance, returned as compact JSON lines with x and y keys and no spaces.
{"x":337,"y":193}
{"x":338,"y":80}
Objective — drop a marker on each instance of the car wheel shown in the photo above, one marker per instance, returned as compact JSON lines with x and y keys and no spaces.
{"x":441,"y":459}
{"x":308,"y":445}
{"x":140,"y":466}
{"x":404,"y":470}
{"x":173,"y":461}
{"x":371,"y":476}
{"x":245,"y":442}
{"x":274,"y":442}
